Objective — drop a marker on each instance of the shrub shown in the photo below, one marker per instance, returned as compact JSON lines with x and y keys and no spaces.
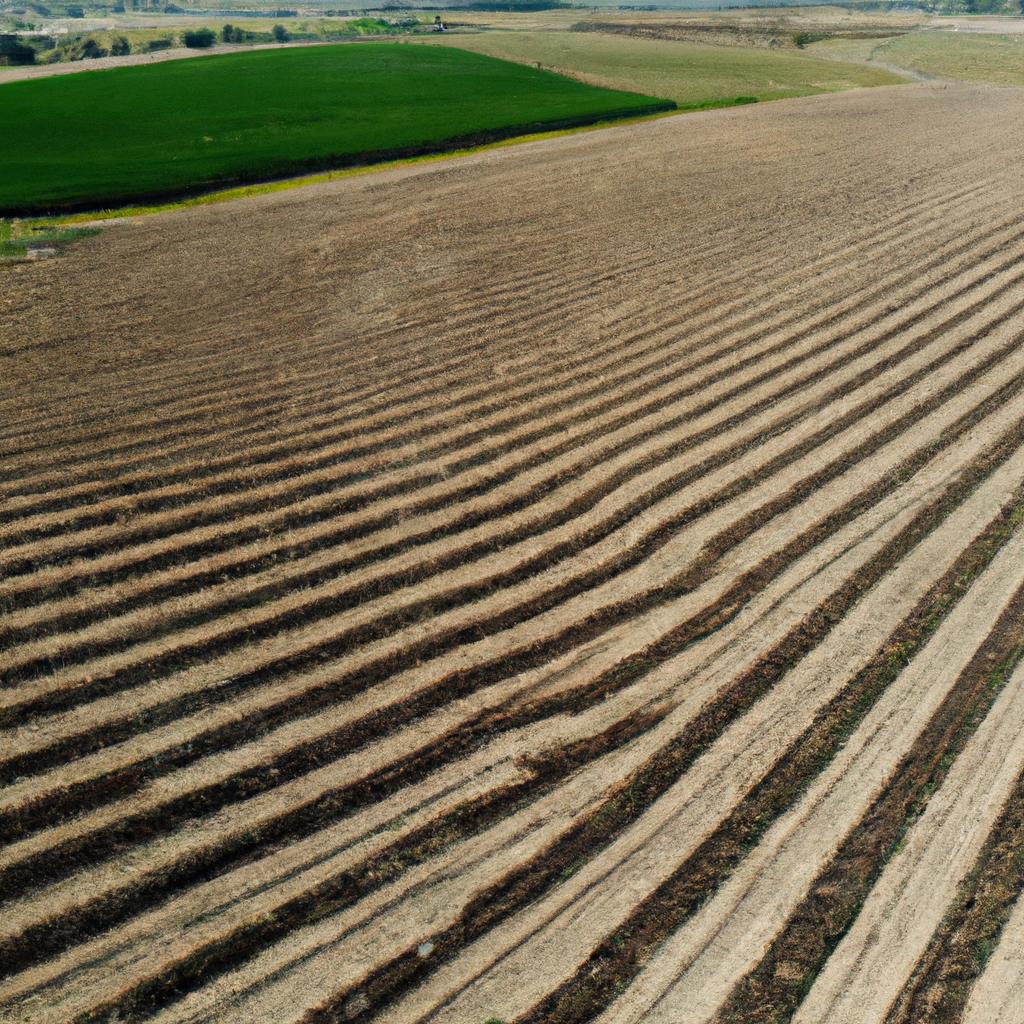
{"x":90,"y":51}
{"x":280,"y":34}
{"x":802,"y":39}
{"x":120,"y":47}
{"x":199,"y":38}
{"x":76,"y":12}
{"x":12,"y":51}
{"x":159,"y":44}
{"x":232,"y":34}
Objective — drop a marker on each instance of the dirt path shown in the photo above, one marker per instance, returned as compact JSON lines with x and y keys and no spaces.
{"x":462,"y":608}
{"x":980,"y":23}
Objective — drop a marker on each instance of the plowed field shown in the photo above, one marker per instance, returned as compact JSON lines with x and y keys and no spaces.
{"x":579,"y":581}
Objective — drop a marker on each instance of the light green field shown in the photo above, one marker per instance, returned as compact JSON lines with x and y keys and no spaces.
{"x":967,"y":56}
{"x":692,"y":74}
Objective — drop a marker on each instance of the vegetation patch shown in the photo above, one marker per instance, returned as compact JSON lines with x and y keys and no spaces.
{"x":693,"y":74}
{"x":380,"y":26}
{"x":21,"y":240}
{"x":717,"y":33}
{"x":966,"y":56}
{"x":256,"y":116}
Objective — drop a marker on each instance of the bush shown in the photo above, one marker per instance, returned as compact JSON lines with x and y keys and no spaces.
{"x":12,"y":51}
{"x":380,"y":26}
{"x":802,"y":39}
{"x":159,"y":44}
{"x":90,"y":50}
{"x":199,"y":38}
{"x":280,"y":34}
{"x":76,"y":12}
{"x":232,"y":34}
{"x":120,"y":47}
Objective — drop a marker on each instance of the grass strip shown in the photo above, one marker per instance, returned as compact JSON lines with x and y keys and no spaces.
{"x":17,"y":239}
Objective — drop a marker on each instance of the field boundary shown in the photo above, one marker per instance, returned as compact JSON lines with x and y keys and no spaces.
{"x":316,"y":171}
{"x":460,"y":147}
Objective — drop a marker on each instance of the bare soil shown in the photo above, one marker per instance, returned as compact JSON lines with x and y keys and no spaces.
{"x":579,"y":580}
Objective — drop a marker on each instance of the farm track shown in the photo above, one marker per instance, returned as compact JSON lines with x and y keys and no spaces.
{"x":584,"y":607}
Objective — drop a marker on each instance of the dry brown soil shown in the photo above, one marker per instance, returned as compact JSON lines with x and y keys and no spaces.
{"x":581,"y":580}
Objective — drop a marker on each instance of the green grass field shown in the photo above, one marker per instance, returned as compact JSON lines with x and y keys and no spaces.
{"x":692,"y":74}
{"x":109,"y":137}
{"x":966,"y":56}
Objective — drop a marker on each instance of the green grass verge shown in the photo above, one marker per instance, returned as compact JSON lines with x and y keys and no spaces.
{"x":142,"y":133}
{"x":17,"y":237}
{"x":694,"y":75}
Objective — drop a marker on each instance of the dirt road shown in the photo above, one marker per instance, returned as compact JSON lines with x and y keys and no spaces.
{"x":578,"y":581}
